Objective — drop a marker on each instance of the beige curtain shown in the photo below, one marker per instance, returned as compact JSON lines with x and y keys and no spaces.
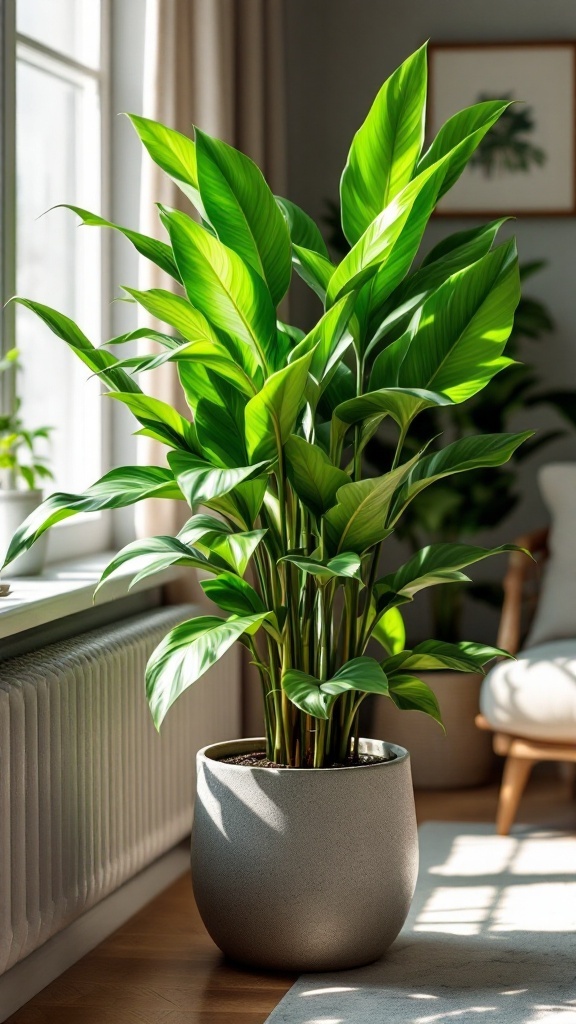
{"x":217,"y":64}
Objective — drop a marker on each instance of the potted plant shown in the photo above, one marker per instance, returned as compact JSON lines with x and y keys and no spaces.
{"x":21,"y":470}
{"x":304,"y":842}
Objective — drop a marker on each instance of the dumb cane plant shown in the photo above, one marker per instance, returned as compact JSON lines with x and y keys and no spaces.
{"x":270,"y":461}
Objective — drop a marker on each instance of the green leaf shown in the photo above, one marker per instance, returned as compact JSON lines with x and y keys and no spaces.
{"x":314,"y":268}
{"x":458,"y":336}
{"x":464,"y":132}
{"x":161,"y":418}
{"x":153,"y":555}
{"x":186,"y":653}
{"x":362,"y":674}
{"x":118,"y":488}
{"x":467,"y":453}
{"x":97,"y":359}
{"x":386,"y":148}
{"x":174,"y":153}
{"x":435,"y":654}
{"x":435,"y":564}
{"x":390,"y":631}
{"x":328,"y":341}
{"x":451,"y":255}
{"x":346,"y":566}
{"x":151,"y":248}
{"x":201,"y":482}
{"x":412,"y":694}
{"x":234,"y":548}
{"x":243,"y":211}
{"x":304,"y":691}
{"x":232,"y":297}
{"x":314,"y":478}
{"x":176,"y":311}
{"x":402,"y":404}
{"x":358,"y":520}
{"x":272,"y":413}
{"x":233,"y":594}
{"x":243,"y":503}
{"x":303,"y":230}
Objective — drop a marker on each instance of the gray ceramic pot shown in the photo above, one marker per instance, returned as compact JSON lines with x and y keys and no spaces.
{"x":304,"y":870}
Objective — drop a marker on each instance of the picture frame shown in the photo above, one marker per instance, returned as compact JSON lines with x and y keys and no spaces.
{"x":526,"y":165}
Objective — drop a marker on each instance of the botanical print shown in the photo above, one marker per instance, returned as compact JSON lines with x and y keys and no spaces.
{"x":505,"y":149}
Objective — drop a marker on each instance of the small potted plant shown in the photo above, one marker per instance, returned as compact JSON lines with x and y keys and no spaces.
{"x":22,"y":468}
{"x":304,"y":842}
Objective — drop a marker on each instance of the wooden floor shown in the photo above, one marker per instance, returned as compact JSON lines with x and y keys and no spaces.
{"x":162,"y":968}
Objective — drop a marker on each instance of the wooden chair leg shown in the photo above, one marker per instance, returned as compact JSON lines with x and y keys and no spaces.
{"x":516,"y":774}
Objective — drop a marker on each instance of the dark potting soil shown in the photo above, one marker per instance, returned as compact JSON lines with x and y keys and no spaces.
{"x":258,"y":759}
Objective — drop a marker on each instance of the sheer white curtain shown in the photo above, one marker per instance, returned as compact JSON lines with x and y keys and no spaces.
{"x":217,"y":64}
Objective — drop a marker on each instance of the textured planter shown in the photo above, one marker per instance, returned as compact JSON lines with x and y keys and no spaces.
{"x":15,"y":507}
{"x":462,"y":756}
{"x":303,"y":870}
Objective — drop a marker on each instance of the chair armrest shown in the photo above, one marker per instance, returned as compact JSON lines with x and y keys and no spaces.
{"x":519,"y":571}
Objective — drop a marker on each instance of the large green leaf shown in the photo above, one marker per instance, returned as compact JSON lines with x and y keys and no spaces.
{"x":220,"y":430}
{"x":233,"y":594}
{"x":344,"y":566}
{"x":314,"y":268}
{"x":435,"y":564}
{"x":412,"y":694}
{"x":454,"y":253}
{"x":358,"y":520}
{"x":467,"y":453}
{"x":151,"y":248}
{"x":186,"y":653}
{"x":201,"y":482}
{"x":386,"y":147}
{"x":376,"y":246}
{"x":272,"y":413}
{"x":160,"y":417}
{"x":303,"y":230}
{"x":174,"y":153}
{"x":328,"y":341}
{"x":362,"y":674}
{"x":390,"y":632}
{"x":402,"y":404}
{"x":431,"y":655}
{"x":243,"y":503}
{"x":231,"y":296}
{"x":205,"y":355}
{"x":314,"y":478}
{"x":458,"y":336}
{"x":153,"y":555}
{"x":118,"y":488}
{"x":235,"y":549}
{"x":176,"y":311}
{"x":304,"y":691}
{"x":467,"y":127}
{"x":243,"y":211}
{"x":97,"y":359}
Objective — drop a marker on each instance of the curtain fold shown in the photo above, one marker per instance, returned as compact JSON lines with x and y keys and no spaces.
{"x":217,"y":64}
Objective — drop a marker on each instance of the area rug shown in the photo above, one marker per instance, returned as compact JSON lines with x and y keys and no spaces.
{"x":490,"y":940}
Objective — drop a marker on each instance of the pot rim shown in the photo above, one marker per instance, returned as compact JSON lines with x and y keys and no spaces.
{"x":244,"y":744}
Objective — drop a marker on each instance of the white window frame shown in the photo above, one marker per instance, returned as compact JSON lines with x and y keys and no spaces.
{"x":90,"y":533}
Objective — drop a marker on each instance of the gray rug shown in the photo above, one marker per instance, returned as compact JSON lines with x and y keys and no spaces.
{"x":490,"y":938}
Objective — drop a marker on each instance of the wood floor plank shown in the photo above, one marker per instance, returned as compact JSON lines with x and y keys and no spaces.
{"x":161,"y":967}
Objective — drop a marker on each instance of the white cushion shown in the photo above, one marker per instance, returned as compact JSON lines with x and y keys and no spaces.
{"x":556,"y":611}
{"x":534,"y":696}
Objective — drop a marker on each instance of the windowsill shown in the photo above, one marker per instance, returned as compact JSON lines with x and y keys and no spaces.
{"x":66,"y":588}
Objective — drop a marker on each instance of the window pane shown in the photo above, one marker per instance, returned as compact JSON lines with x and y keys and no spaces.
{"x":58,"y":160}
{"x":69,"y":26}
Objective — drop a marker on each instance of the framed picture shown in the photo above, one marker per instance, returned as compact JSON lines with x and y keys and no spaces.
{"x":526,"y":164}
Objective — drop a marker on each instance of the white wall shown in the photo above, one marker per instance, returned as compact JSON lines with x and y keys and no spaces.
{"x":339,"y":53}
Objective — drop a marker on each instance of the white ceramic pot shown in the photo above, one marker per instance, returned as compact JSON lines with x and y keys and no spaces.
{"x":15,"y":507}
{"x":304,"y":869}
{"x":460,"y":757}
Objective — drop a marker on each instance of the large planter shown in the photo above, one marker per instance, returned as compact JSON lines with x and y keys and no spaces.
{"x":456,"y":759}
{"x":304,"y":869}
{"x":15,"y":507}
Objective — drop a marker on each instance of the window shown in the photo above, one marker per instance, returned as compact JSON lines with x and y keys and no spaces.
{"x":54,"y":87}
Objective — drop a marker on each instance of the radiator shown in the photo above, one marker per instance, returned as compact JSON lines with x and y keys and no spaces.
{"x":90,"y":794}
